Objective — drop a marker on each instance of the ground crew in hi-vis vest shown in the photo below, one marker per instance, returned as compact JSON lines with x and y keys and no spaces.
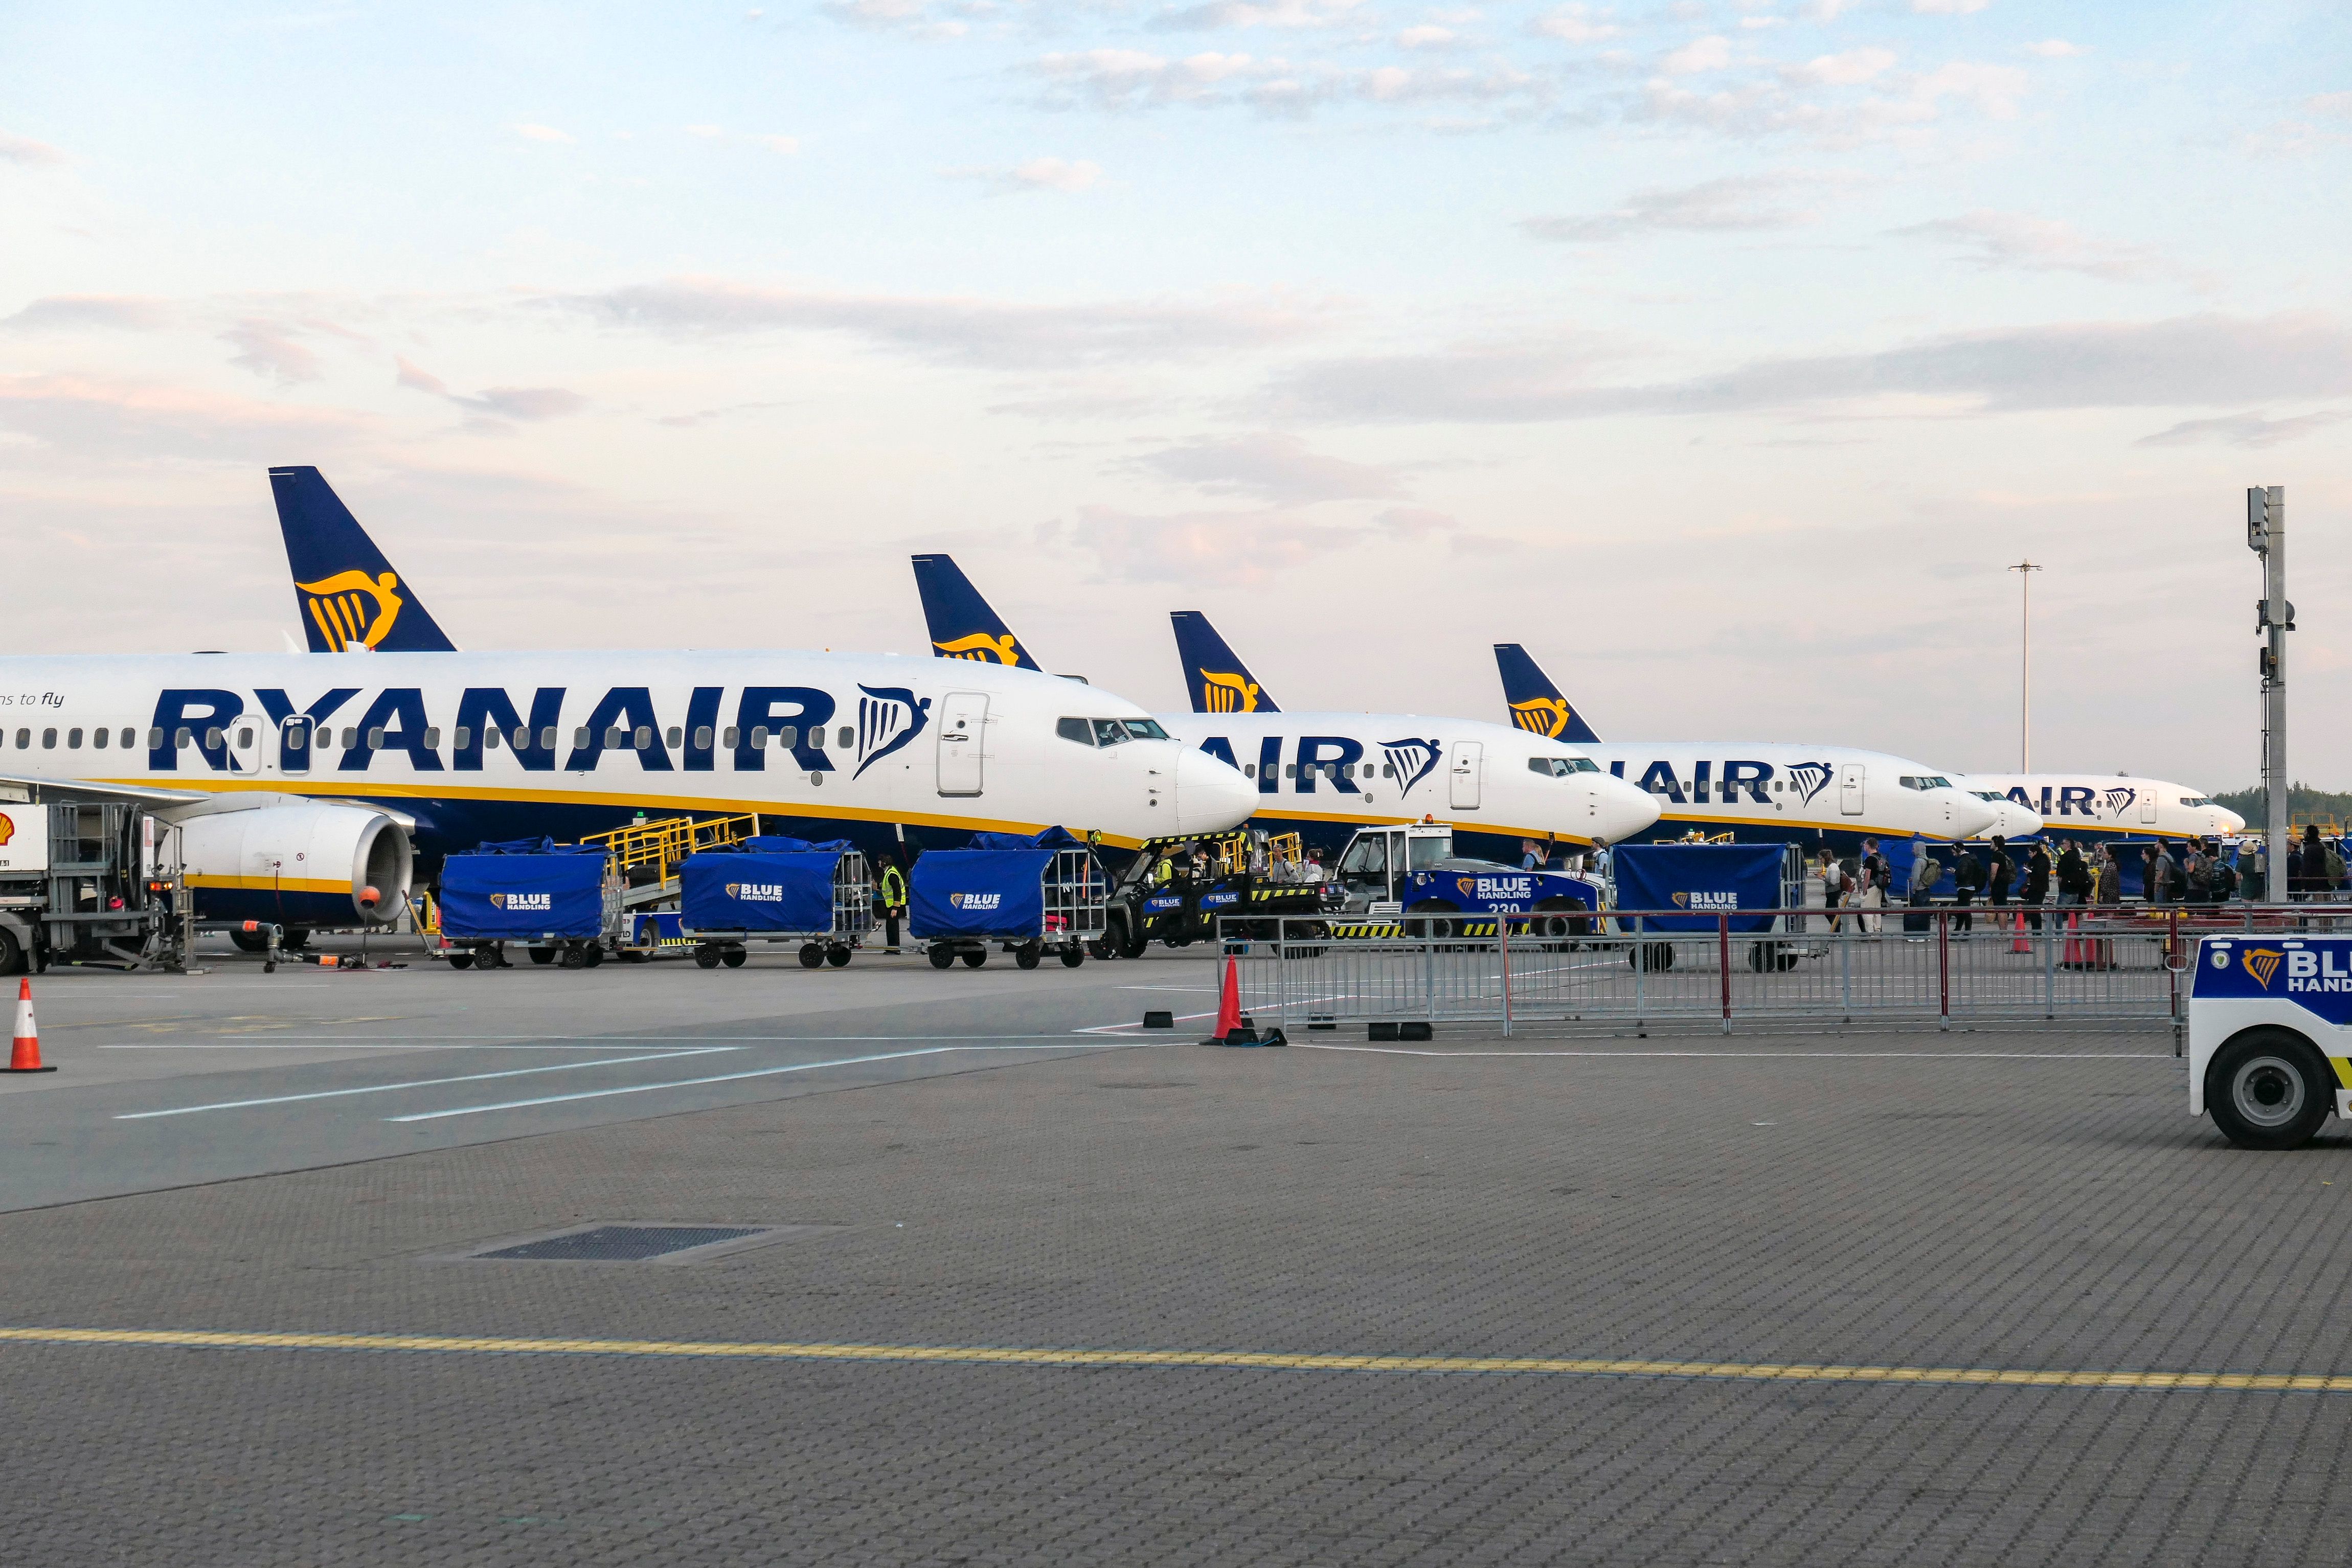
{"x":893,"y":904}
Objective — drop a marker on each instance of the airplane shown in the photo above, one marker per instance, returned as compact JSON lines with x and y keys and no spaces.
{"x":1325,"y":775}
{"x":2092,"y":807}
{"x":300,"y":784}
{"x":1763,"y":790}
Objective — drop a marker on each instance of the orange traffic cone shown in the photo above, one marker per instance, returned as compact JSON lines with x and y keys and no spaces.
{"x":25,"y":1057}
{"x":1229,"y":1003}
{"x":2017,"y":943}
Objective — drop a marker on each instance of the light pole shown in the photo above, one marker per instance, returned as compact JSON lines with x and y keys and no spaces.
{"x":2274,"y":618}
{"x":2025,"y":571}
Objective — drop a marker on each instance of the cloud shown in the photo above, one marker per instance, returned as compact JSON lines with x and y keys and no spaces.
{"x":912,"y":17}
{"x":1240,"y":547}
{"x":706,"y":132}
{"x":265,"y":348}
{"x":80,"y":312}
{"x":1274,"y":468}
{"x":1998,"y":240}
{"x":1735,"y":202}
{"x":2255,"y":430}
{"x":1576,"y":25}
{"x":542,"y":133}
{"x":1948,"y":7}
{"x":2058,"y":49}
{"x":1253,"y":14}
{"x":26,"y":153}
{"x":1135,"y":79}
{"x":1426,"y":37}
{"x":1037,"y":175}
{"x":975,"y":333}
{"x":2184,"y":361}
{"x":1708,"y":53}
{"x":1993,"y":89}
{"x":2330,"y":104}
{"x":1844,"y":70}
{"x":782,"y":145}
{"x":495,"y":403}
{"x":126,"y":422}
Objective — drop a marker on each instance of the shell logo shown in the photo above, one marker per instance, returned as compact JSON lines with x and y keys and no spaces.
{"x":7,"y":828}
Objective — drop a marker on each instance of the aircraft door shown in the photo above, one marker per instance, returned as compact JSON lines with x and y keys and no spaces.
{"x":1465,"y":764}
{"x":1849,"y":778}
{"x":964,"y":720}
{"x":2148,"y":808}
{"x":294,"y":744}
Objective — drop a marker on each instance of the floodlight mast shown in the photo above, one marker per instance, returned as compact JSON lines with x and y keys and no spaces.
{"x":2266,"y":536}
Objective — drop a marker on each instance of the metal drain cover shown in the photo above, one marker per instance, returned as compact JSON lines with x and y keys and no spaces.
{"x":642,"y":1243}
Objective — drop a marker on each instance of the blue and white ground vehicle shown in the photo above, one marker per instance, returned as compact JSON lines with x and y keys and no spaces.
{"x":559,"y":900}
{"x":775,"y":889}
{"x":1029,"y":896}
{"x":1415,"y":870}
{"x":2270,"y":1035}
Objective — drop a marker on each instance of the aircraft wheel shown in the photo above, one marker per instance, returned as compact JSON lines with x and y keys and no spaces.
{"x":812,"y":956}
{"x":293,"y":938}
{"x":250,"y":941}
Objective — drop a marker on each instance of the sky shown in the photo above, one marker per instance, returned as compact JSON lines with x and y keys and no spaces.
{"x":1724,"y":352}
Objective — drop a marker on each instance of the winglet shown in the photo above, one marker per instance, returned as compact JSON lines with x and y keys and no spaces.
{"x":346,"y":594}
{"x":960,"y":624}
{"x":1538,"y":706}
{"x":1213,"y":673}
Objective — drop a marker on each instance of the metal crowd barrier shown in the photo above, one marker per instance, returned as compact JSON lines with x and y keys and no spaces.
{"x":2016,"y":964}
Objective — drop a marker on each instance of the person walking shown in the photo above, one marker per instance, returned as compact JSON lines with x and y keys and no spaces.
{"x":2107,"y":876}
{"x":1531,"y":855}
{"x":894,"y":902}
{"x":2223,"y":877}
{"x":1927,"y":870}
{"x":2002,"y":872}
{"x":1967,"y":880}
{"x":2196,"y":875}
{"x":2333,"y":868}
{"x":2161,"y":873}
{"x":1876,"y":880}
{"x":2073,"y":878}
{"x":1835,"y":885}
{"x":2037,"y":885}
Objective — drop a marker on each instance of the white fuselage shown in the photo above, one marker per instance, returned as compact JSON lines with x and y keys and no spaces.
{"x":1765,"y":789}
{"x":833,"y":739}
{"x":1345,"y":771}
{"x":2095,"y":805}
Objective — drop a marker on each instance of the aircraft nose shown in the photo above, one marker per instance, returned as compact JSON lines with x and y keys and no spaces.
{"x":1619,"y":811}
{"x":1970,"y":816}
{"x":1211,"y":794}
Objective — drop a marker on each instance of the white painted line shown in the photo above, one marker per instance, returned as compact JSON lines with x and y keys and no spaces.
{"x":590,"y":1041}
{"x":1793,"y":1055}
{"x":738,"y":1077}
{"x":415,"y":1084}
{"x":1197,"y":990}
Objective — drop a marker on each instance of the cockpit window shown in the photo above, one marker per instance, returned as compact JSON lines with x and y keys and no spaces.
{"x":1927,"y":781}
{"x":1110,"y":732}
{"x":1145,"y":729}
{"x":1077,"y":729}
{"x":1562,"y":767}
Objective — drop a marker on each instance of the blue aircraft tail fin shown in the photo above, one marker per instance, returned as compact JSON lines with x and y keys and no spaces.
{"x":346,"y":593}
{"x":961,"y":622}
{"x":1213,"y":673}
{"x":1538,"y":706}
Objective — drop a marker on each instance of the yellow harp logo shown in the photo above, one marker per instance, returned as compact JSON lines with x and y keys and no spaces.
{"x":352,"y":607}
{"x":2262,"y":963}
{"x":498,"y":901}
{"x":1547,"y":716}
{"x":985,"y":649}
{"x":1228,"y":694}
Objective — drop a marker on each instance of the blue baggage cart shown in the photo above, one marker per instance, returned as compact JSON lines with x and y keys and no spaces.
{"x":775,"y":889}
{"x":1027,"y":897}
{"x":558,"y":900}
{"x":1734,"y":883}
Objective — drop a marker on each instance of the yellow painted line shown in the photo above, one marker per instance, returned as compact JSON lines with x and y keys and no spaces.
{"x":1250,"y":1361}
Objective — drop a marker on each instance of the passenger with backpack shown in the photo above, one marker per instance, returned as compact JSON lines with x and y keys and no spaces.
{"x":2003,"y":872}
{"x":1967,"y":881}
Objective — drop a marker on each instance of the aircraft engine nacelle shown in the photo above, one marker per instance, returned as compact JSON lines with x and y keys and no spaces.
{"x":313,"y":864}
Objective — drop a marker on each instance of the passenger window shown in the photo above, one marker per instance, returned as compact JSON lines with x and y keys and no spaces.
{"x":324,"y":740}
{"x":677,"y":736}
{"x":73,"y":741}
{"x":492,"y":736}
{"x":212,"y":738}
{"x":462,"y":736}
{"x":50,"y":739}
{"x":790,"y":736}
{"x":816,"y":738}
{"x":580,"y":737}
{"x":702,"y":738}
{"x":98,"y":738}
{"x":846,"y":738}
{"x":375,"y":738}
{"x":645,"y":737}
{"x":128,"y":734}
{"x":547,"y":738}
{"x":1290,"y":770}
{"x":759,"y":738}
{"x":728,"y":737}
{"x":1075,"y":729}
{"x":1388,"y":769}
{"x":1249,"y":769}
{"x":243,"y":740}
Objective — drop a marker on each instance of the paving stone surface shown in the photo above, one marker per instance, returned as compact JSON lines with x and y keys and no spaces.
{"x":1909,"y":1207}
